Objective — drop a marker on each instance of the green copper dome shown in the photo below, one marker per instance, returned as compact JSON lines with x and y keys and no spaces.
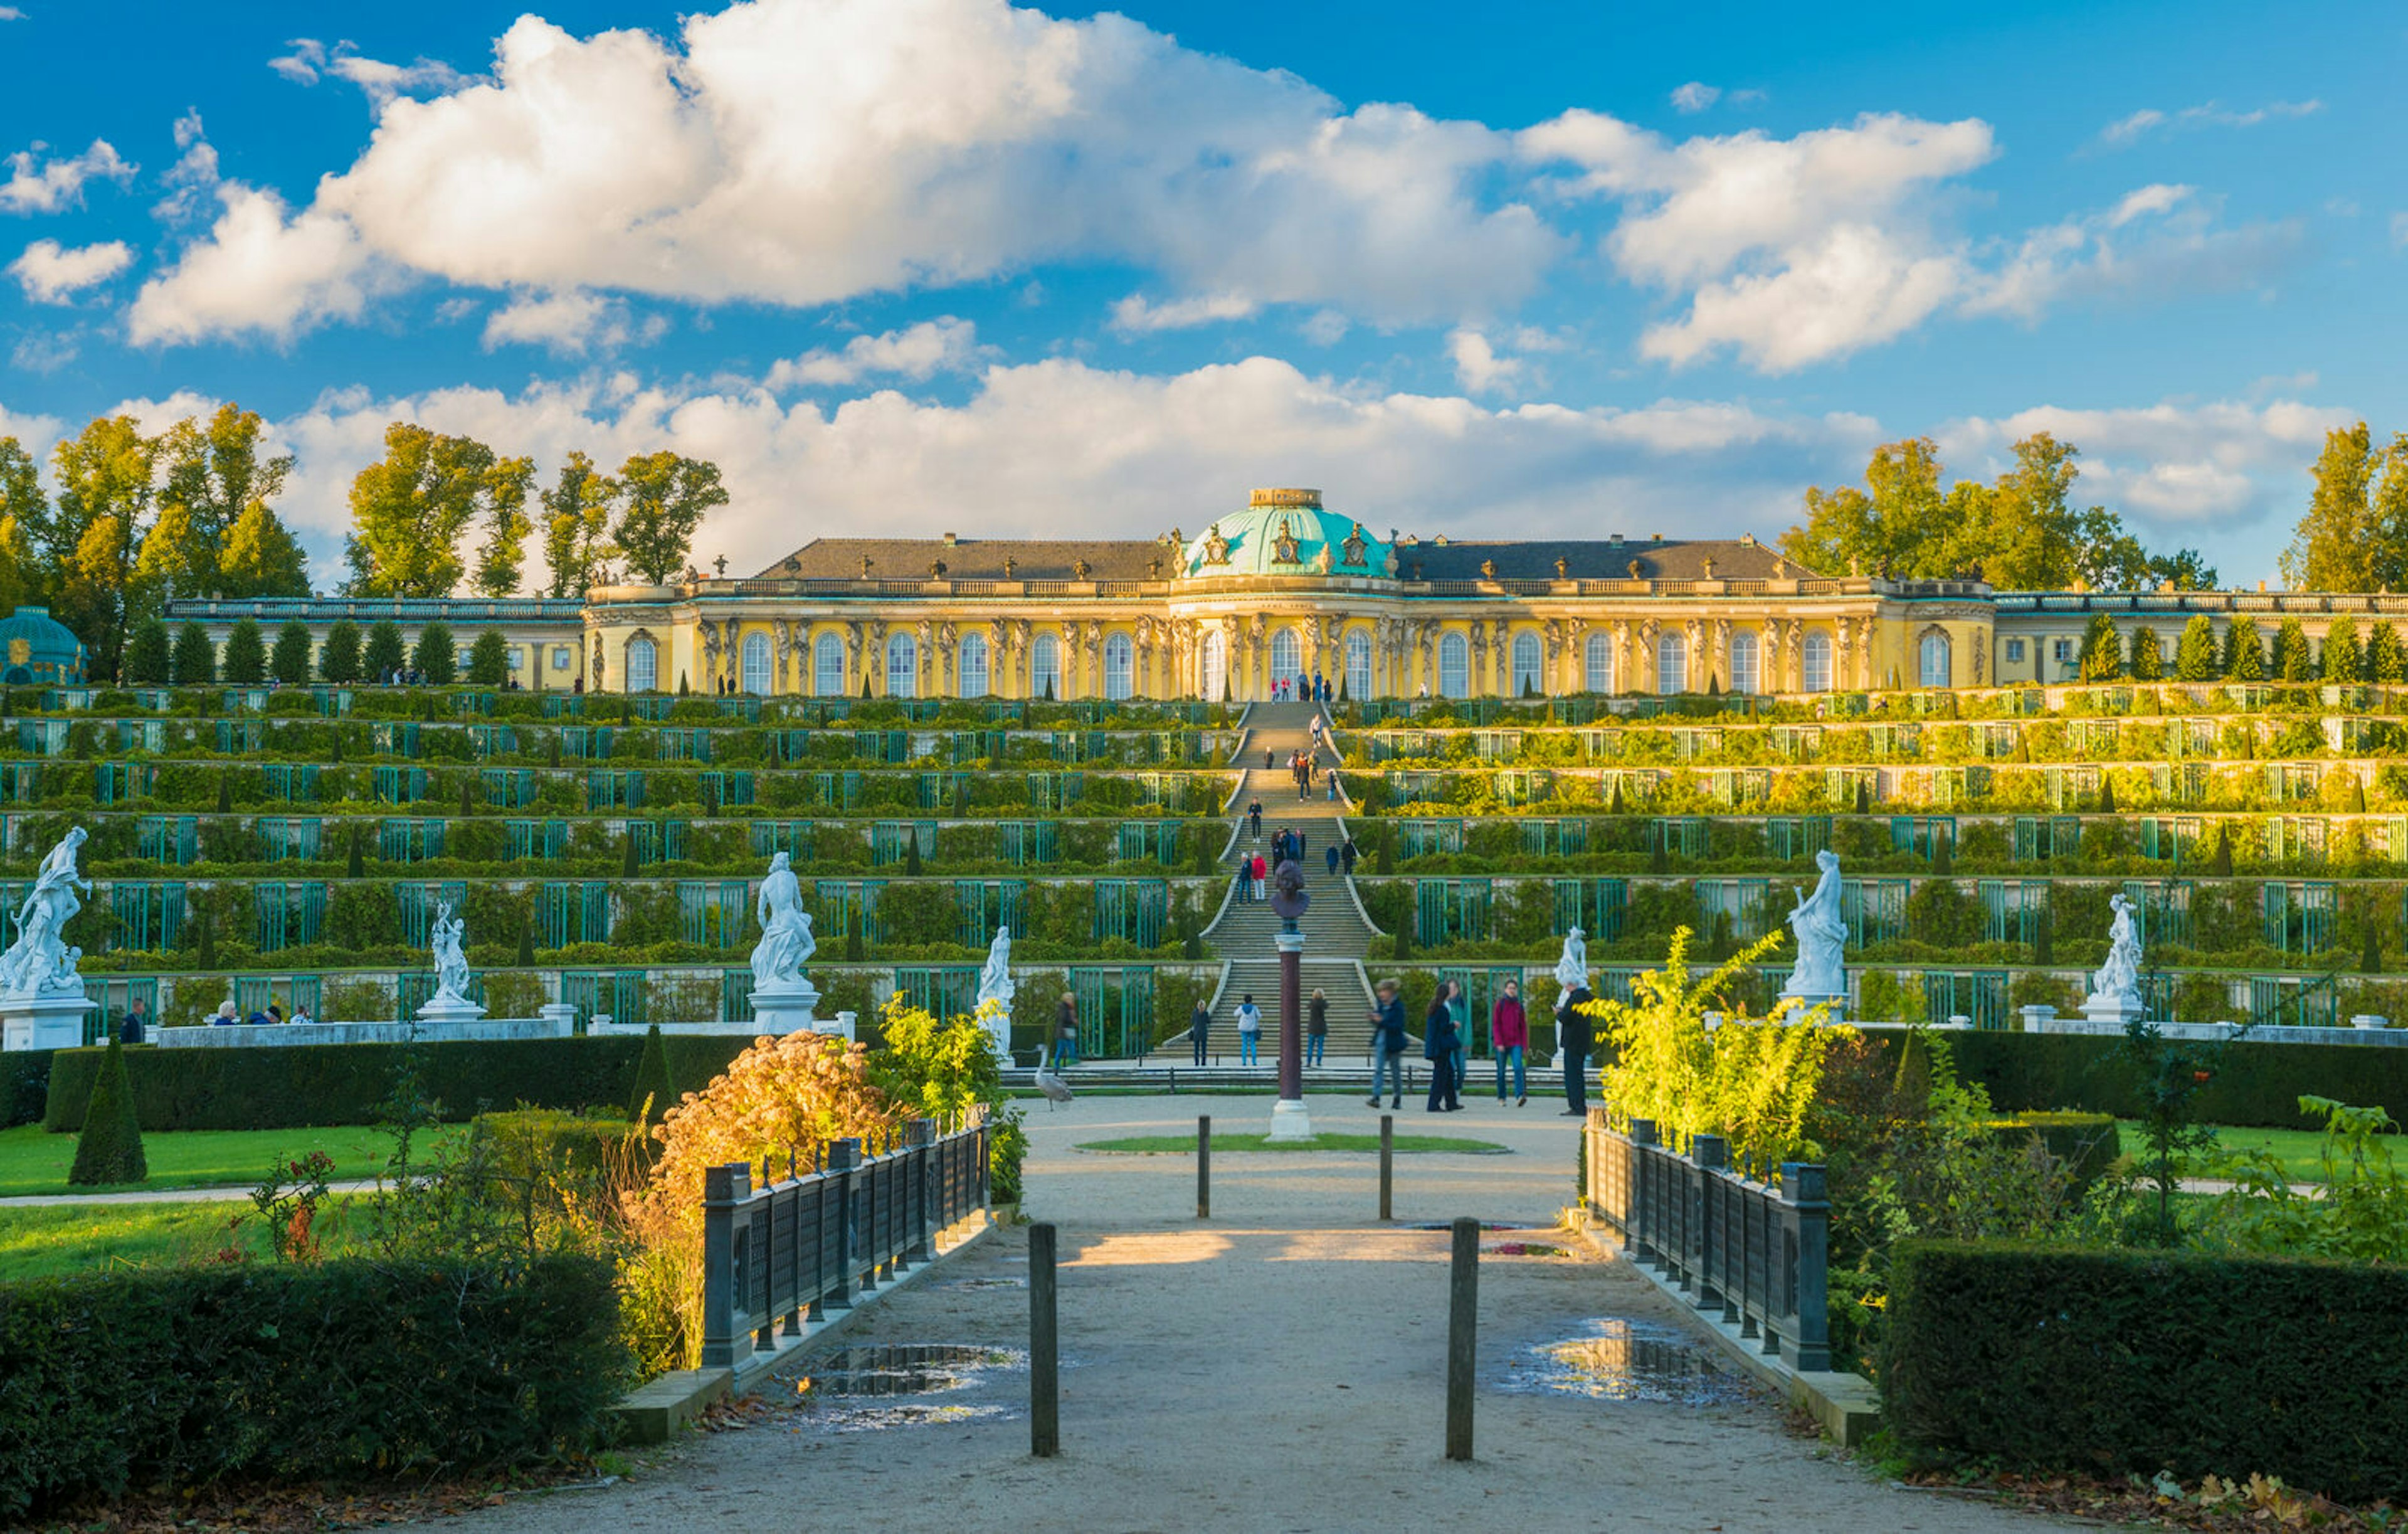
{"x":1287,"y":532}
{"x":37,"y":649}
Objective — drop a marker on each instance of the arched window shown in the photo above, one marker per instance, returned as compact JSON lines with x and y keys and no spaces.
{"x":1596,"y":661}
{"x":1744,"y":677}
{"x":1358,"y":663}
{"x":827,"y":666}
{"x":1527,"y":677}
{"x":1045,"y":667}
{"x":973,"y":660}
{"x":756,"y":663}
{"x":1816,"y":659}
{"x":1214,"y":664}
{"x":1120,"y":665}
{"x":1454,"y":666}
{"x":902,"y":665}
{"x":643,"y":664}
{"x":1932,"y":654}
{"x":1288,"y":656}
{"x":1671,"y":663}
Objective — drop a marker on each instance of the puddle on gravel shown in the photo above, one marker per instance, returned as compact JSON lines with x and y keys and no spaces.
{"x":1625,"y":1360}
{"x":986,"y":1283}
{"x":913,"y":1384}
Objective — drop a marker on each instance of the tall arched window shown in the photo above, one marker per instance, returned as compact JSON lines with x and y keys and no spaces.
{"x":1288,"y":656}
{"x":1454,"y":666}
{"x":1358,"y":663}
{"x":1527,"y":676}
{"x":643,"y":664}
{"x":1933,"y":654}
{"x":1596,"y":661}
{"x":1816,"y":661}
{"x":1215,"y":666}
{"x":1671,"y":663}
{"x":1744,"y":677}
{"x":902,"y":665}
{"x":1045,"y":667}
{"x":973,"y":662}
{"x":827,"y":666}
{"x":755,"y":664}
{"x":1120,"y":666}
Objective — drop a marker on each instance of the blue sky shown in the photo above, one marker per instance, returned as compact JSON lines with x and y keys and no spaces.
{"x":931,"y":264}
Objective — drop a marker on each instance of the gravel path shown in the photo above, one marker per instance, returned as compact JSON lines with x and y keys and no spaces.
{"x":1279,"y":1368}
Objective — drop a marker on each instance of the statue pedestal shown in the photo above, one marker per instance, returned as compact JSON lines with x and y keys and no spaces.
{"x":450,"y":1009}
{"x":785,"y":1008}
{"x":43,"y":1022}
{"x":1835,"y":1003}
{"x":2116,"y":1010}
{"x":996,"y":1020}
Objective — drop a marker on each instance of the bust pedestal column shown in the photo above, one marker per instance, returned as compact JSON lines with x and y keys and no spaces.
{"x":1290,"y":1119}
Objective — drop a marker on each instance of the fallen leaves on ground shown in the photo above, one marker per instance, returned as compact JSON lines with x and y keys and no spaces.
{"x":2216,"y":1505}
{"x":296,"y":1509}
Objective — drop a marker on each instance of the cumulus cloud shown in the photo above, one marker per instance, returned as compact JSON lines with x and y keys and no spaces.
{"x":52,"y":274}
{"x":192,"y":182}
{"x":1134,"y":316}
{"x":2130,"y":130}
{"x":566,"y":324}
{"x":944,"y":344}
{"x":804,"y":151}
{"x":2157,"y":239}
{"x":36,"y":185}
{"x":379,"y":81}
{"x":260,"y":269}
{"x":1481,"y":369}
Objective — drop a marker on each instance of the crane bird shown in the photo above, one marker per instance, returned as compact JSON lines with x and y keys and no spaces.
{"x":1054,"y":1087}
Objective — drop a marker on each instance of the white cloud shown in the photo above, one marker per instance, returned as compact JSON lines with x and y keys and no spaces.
{"x":46,"y":351}
{"x":304,"y":63}
{"x":11,"y":13}
{"x":2130,"y":130}
{"x":944,"y":344}
{"x":52,"y":273}
{"x":1696,"y":96}
{"x":258,"y":269}
{"x":379,"y":81}
{"x":36,"y":186}
{"x":1134,"y":316}
{"x":803,"y":151}
{"x":1477,"y":365}
{"x":564,"y":324}
{"x":192,"y":182}
{"x":1325,"y":329}
{"x":2157,"y":239}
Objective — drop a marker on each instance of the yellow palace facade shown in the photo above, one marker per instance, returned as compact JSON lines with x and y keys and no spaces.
{"x":1281,"y":591}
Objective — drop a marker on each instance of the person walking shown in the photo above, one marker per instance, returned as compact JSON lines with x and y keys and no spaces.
{"x":1388,"y":1045}
{"x":1254,"y":819}
{"x":1199,"y":1028}
{"x":1250,"y":1029}
{"x":1267,"y":758}
{"x":1316,"y":1026}
{"x":1346,"y":856}
{"x":1458,"y":1007}
{"x":1066,"y":1032}
{"x":1439,"y":1046}
{"x":1578,"y":1035}
{"x":1509,"y":1035}
{"x":1330,"y":859}
{"x":1331,"y":783}
{"x":1262,"y":872}
{"x":136,"y":1024}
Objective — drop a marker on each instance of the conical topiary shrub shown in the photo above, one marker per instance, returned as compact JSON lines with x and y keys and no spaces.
{"x":109,"y":1150}
{"x":654,"y":1093}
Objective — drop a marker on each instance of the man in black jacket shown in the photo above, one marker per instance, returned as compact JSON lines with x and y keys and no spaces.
{"x":1389,"y":1046}
{"x":1578,"y":1035}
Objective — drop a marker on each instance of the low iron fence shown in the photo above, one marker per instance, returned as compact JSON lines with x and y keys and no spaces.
{"x":803,"y":1246}
{"x":1755,"y":1252}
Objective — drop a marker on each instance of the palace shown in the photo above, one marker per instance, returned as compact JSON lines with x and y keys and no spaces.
{"x":1285,"y":589}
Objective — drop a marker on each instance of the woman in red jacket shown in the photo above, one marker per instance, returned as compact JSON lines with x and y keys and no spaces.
{"x":1509,"y":1031}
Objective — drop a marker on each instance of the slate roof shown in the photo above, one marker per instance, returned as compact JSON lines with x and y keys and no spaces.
{"x":1593,"y":559}
{"x":978,"y":559}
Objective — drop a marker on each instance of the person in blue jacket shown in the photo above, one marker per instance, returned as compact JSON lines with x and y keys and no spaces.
{"x":1388,"y":1045}
{"x":1441,"y":1045}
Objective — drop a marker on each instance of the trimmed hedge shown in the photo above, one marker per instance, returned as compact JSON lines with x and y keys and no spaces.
{"x":165,"y":1378}
{"x":2109,"y":1361}
{"x":110,"y":1148}
{"x":24,"y":1086}
{"x":298,"y":1086}
{"x":2087,"y":1143}
{"x":2259,"y":1084}
{"x":535,"y":1142}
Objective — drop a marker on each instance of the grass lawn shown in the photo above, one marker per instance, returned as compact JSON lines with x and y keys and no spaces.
{"x":2297,"y":1150}
{"x":64,"y":1239}
{"x":32,"y":1161}
{"x":1185,"y":1144}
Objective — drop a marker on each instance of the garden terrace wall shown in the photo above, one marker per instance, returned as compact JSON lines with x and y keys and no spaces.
{"x":2054,"y":1359}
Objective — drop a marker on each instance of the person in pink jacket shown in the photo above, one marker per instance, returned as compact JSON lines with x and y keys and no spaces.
{"x":1508,"y":1033}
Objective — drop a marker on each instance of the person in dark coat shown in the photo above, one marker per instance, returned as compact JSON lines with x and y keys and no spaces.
{"x":1388,"y":1045}
{"x":1199,"y":1028}
{"x":1578,"y":1034}
{"x":1329,"y":856}
{"x":1066,"y":1032}
{"x":1346,"y":856}
{"x":1441,"y":1041}
{"x":1316,"y":1026}
{"x":136,"y":1024}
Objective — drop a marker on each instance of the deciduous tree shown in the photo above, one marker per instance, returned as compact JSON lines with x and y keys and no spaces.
{"x":663,"y":500}
{"x":409,"y":510}
{"x":97,"y":524}
{"x":577,"y":527}
{"x":499,"y":563}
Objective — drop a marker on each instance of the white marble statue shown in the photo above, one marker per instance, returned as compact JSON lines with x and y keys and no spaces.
{"x":39,"y":962}
{"x":994,"y":980}
{"x":786,"y":941}
{"x":2117,"y":986}
{"x":1822,"y":936}
{"x":451,"y":958}
{"x":1571,"y":970}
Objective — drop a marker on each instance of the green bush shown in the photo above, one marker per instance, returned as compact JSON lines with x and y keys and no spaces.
{"x":534,"y":1143}
{"x":24,"y":1086}
{"x":299,"y":1085}
{"x":2087,"y":1143}
{"x":110,"y":1148}
{"x":174,"y":1377}
{"x":2048,"y":1358}
{"x":655,"y":1091}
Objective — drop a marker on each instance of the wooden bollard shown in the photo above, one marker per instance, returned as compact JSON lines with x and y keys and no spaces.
{"x":1203,"y":1165}
{"x":1387,"y":1166}
{"x":1462,"y":1336}
{"x":1044,"y":1376}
